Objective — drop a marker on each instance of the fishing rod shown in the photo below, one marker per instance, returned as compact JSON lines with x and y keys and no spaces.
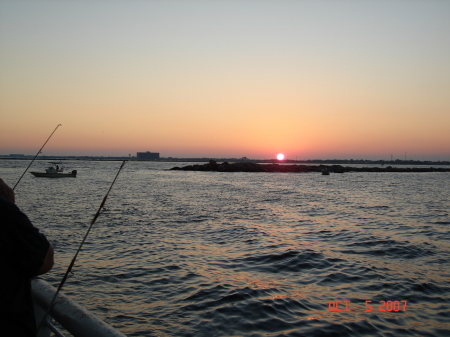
{"x":69,"y":269}
{"x":35,"y":156}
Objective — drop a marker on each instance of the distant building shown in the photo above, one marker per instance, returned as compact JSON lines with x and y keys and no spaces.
{"x":147,"y":156}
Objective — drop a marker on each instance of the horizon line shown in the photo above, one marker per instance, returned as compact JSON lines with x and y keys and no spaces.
{"x":134,"y":158}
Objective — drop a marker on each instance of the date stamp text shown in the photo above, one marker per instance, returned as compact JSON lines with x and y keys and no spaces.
{"x":380,"y":306}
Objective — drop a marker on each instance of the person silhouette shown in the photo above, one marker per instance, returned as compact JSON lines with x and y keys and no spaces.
{"x":24,"y":254}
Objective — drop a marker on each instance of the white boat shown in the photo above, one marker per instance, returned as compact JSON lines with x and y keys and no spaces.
{"x":55,"y":171}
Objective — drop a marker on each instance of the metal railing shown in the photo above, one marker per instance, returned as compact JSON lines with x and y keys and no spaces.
{"x":74,"y":318}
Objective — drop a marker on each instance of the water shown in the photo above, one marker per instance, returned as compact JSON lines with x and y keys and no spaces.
{"x":248,"y":254}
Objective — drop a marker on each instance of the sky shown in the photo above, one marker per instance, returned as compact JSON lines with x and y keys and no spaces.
{"x":227,"y":79}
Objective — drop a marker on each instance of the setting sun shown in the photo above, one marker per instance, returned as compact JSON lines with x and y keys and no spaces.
{"x":280,"y":156}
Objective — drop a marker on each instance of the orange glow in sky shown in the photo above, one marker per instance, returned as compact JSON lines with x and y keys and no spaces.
{"x":361,"y":80}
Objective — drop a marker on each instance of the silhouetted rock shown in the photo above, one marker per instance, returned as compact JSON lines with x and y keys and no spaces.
{"x":254,"y":167}
{"x":213,"y":165}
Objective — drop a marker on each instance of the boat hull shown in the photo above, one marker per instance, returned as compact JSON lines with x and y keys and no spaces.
{"x":72,"y":174}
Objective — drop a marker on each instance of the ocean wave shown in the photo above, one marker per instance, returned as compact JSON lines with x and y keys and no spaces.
{"x":392,"y":248}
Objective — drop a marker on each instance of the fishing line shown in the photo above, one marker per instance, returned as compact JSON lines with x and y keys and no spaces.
{"x":69,"y":269}
{"x":35,"y":156}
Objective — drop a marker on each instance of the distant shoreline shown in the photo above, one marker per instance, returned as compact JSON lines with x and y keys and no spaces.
{"x":237,"y":160}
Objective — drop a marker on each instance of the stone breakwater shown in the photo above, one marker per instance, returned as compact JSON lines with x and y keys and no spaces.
{"x":254,"y":167}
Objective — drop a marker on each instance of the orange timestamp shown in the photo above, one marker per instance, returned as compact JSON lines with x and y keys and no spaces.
{"x":382,"y":305}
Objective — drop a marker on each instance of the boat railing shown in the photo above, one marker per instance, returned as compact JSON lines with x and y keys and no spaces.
{"x":78,"y":321}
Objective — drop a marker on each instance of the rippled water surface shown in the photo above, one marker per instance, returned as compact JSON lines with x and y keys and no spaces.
{"x":178,"y":253}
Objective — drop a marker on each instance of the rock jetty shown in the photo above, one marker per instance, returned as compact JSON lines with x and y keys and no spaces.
{"x":254,"y":167}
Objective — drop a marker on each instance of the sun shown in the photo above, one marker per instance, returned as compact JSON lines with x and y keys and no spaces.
{"x":280,"y":156}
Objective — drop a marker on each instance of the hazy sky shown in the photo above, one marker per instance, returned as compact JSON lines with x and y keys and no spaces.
{"x":311,"y":79}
